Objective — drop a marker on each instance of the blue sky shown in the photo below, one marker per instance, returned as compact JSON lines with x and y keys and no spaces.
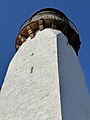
{"x":14,"y":12}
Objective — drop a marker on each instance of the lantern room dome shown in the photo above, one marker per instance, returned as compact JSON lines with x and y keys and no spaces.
{"x":49,"y":18}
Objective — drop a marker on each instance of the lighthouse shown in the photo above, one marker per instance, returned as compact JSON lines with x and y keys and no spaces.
{"x":44,"y":80}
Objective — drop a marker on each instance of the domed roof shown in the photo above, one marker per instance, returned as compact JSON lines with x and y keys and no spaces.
{"x":50,"y":10}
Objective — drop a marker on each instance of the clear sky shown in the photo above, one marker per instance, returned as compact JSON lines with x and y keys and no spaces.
{"x":14,"y":12}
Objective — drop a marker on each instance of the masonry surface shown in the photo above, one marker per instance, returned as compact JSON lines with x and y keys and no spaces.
{"x":44,"y":81}
{"x":31,"y":87}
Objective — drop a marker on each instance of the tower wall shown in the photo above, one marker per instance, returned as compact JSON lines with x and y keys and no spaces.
{"x":45,"y":81}
{"x":31,"y":87}
{"x":74,"y":95}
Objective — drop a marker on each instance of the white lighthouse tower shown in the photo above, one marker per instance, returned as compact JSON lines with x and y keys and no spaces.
{"x":44,"y":80}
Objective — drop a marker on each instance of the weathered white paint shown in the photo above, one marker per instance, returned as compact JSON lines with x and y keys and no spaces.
{"x":74,"y":95}
{"x":34,"y":86}
{"x":31,"y":87}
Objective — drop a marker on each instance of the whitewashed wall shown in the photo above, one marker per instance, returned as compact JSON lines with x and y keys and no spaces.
{"x":74,"y":94}
{"x":34,"y":87}
{"x":31,"y":87}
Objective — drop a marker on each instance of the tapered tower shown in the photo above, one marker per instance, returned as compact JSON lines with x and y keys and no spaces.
{"x":44,"y":80}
